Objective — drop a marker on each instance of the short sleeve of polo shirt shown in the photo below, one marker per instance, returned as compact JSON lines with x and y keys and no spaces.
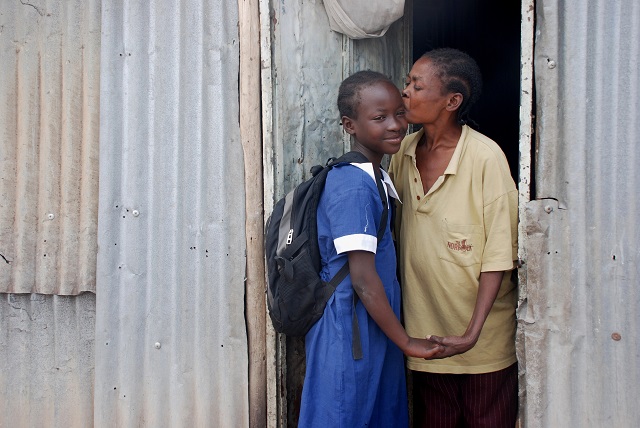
{"x":501,"y":226}
{"x":353,"y":209}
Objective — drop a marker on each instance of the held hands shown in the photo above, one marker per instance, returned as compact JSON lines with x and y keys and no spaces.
{"x":452,"y":345}
{"x":422,"y":348}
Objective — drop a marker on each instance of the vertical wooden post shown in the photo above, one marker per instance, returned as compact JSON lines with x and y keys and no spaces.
{"x":251,"y":136}
{"x":527,"y":27}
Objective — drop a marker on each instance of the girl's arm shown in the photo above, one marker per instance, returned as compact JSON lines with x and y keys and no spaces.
{"x":368,"y":286}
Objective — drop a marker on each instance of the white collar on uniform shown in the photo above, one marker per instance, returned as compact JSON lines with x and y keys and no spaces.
{"x":389,"y":188}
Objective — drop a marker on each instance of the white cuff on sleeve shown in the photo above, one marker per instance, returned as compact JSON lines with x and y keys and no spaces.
{"x":360,"y":241}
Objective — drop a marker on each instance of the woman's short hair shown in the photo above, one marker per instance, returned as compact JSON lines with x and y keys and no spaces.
{"x":458,"y":72}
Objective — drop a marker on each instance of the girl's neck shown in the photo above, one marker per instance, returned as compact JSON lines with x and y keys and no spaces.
{"x":374,"y":157}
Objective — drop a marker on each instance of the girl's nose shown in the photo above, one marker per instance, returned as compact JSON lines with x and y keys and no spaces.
{"x":395,"y":124}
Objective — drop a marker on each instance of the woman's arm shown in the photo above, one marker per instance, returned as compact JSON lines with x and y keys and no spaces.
{"x":368,"y":286}
{"x":487,"y":293}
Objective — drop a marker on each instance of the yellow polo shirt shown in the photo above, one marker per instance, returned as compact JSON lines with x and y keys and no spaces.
{"x":464,"y":225}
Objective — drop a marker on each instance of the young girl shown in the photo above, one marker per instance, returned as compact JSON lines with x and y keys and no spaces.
{"x":339,"y":390}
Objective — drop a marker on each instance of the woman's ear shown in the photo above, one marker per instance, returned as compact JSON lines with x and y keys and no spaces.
{"x":348,"y":125}
{"x":455,"y":101}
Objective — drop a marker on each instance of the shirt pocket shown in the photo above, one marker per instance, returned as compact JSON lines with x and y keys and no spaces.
{"x":461,"y":244}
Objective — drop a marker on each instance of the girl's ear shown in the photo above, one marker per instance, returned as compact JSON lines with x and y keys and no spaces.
{"x":348,"y":125}
{"x":455,"y":101}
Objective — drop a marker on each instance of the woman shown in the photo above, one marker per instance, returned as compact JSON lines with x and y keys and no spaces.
{"x":456,"y":231}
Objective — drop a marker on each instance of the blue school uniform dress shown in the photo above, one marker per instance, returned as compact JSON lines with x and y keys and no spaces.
{"x":339,"y":391}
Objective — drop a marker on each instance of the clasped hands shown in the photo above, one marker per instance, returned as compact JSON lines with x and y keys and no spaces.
{"x":450,"y":345}
{"x":436,"y":347}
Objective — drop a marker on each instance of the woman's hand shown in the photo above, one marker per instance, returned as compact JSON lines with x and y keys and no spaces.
{"x":422,"y":348}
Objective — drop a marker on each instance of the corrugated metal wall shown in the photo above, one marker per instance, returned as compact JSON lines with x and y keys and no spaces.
{"x":171,"y":344}
{"x":49,"y":120}
{"x":581,"y":316}
{"x":49,"y":113}
{"x":171,"y":333}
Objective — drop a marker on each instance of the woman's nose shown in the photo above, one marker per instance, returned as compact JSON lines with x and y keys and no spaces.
{"x":404,"y":94}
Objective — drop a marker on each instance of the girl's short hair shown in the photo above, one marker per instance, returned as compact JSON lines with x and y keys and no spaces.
{"x":349,"y":92}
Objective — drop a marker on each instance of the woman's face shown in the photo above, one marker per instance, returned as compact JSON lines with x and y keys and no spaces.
{"x":424,"y":100}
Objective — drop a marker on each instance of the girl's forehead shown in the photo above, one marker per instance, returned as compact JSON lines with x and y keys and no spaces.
{"x":379,"y":95}
{"x":380,"y":88}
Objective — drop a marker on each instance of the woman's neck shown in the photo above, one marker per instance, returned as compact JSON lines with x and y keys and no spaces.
{"x":436,"y":137}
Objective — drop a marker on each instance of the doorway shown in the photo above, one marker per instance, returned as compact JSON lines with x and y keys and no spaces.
{"x":490,"y":33}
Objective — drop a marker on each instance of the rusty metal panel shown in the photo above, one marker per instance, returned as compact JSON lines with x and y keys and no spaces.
{"x":579,"y":319}
{"x":49,"y":115}
{"x":309,"y":62}
{"x":171,"y":346}
{"x":307,"y":70}
{"x":46,"y":360}
{"x":390,"y":54}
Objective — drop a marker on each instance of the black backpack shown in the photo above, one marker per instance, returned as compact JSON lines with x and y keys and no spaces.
{"x":296,"y":295}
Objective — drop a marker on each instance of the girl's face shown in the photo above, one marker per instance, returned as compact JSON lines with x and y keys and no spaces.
{"x":380,"y":125}
{"x":423,"y":95}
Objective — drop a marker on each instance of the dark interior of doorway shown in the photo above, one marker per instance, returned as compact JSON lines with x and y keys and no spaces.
{"x":489,"y":31}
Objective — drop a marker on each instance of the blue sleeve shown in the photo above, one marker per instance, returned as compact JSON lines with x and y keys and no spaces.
{"x":353,"y":209}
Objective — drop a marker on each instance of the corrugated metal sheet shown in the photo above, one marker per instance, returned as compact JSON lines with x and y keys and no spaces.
{"x":46,"y":360}
{"x":582,"y":311}
{"x":171,"y":344}
{"x":49,"y":113}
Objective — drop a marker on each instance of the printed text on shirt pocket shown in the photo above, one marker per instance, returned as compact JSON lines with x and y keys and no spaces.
{"x":461,"y":243}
